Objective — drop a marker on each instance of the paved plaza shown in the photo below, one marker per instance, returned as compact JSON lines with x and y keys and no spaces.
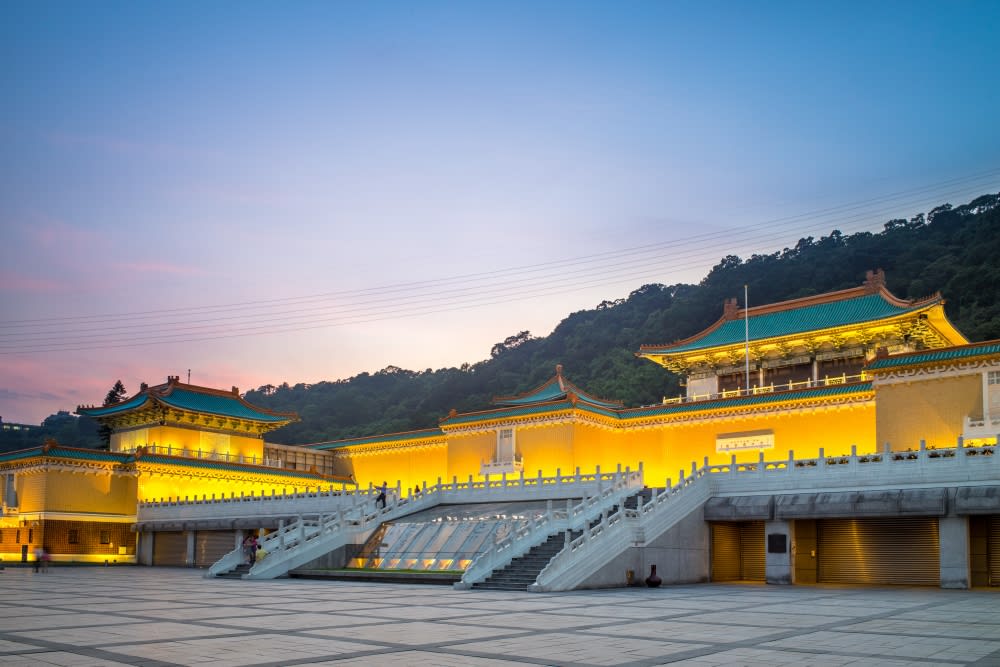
{"x":159,"y":616}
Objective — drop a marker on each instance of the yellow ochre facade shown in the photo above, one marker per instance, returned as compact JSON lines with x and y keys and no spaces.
{"x":856,"y":368}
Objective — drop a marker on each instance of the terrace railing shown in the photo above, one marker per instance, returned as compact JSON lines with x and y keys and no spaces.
{"x":925,"y":466}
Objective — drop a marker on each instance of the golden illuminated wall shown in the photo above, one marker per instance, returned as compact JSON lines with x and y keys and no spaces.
{"x":410,"y":465}
{"x":547,"y":448}
{"x":803,"y":431}
{"x":931,"y":409}
{"x":663,"y":449}
{"x":30,"y":486}
{"x":467,"y":452}
{"x":162,"y":482}
{"x":93,"y":492}
{"x":193,"y":439}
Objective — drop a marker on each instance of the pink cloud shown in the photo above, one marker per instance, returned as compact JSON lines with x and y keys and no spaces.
{"x":11,"y":281}
{"x":160,"y":267}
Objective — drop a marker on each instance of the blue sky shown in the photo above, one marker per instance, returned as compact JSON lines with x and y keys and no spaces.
{"x":186,"y":157}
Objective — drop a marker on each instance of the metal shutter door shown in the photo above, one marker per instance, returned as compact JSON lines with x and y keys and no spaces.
{"x":169,"y":548}
{"x":211,"y":545}
{"x":752,"y":552}
{"x":725,"y":552}
{"x":993,"y":549}
{"x":879,"y":551}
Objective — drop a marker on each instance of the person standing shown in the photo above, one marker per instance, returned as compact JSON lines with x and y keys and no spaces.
{"x":254,"y":545}
{"x":380,"y":498}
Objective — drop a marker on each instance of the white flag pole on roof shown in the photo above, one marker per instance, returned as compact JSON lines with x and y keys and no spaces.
{"x":746,"y":324}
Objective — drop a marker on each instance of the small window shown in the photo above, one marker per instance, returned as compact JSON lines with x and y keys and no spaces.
{"x":105,"y":537}
{"x":74,"y":536}
{"x":31,"y":535}
{"x":1,"y":537}
{"x":17,"y":536}
{"x":994,"y":377}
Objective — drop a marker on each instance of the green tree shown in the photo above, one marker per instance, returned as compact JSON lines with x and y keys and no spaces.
{"x":115,"y":395}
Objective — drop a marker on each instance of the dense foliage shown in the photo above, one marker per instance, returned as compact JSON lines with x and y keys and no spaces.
{"x":951,"y":250}
{"x":62,"y":427}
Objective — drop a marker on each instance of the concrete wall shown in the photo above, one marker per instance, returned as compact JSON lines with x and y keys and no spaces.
{"x":953,"y":535}
{"x":681,"y":556}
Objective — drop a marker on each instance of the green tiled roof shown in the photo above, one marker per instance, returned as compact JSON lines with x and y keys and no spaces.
{"x":68,"y":453}
{"x":136,"y":401}
{"x":857,"y":310}
{"x":229,"y":405}
{"x":932,"y":356}
{"x":226,"y":405}
{"x":556,"y":388}
{"x":21,"y":454}
{"x":656,"y":410}
{"x":517,"y":411}
{"x":387,"y":437}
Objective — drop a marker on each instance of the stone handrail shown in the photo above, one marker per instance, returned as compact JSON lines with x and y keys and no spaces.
{"x":534,"y":532}
{"x":590,"y":550}
{"x":755,"y":390}
{"x":921,"y":467}
{"x":355,"y":511}
{"x":205,"y":454}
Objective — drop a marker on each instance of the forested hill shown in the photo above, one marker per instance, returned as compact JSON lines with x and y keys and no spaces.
{"x":952,"y":250}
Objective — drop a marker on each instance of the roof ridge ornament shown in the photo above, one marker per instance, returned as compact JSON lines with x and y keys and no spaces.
{"x":874,"y":281}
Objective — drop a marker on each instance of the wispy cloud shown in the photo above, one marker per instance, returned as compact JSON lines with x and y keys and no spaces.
{"x":11,"y":281}
{"x":161,"y":267}
{"x":117,"y":145}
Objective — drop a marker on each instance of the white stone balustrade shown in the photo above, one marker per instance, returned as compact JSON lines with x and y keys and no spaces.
{"x":204,"y":454}
{"x":349,"y":513}
{"x":921,"y":468}
{"x":534,"y":532}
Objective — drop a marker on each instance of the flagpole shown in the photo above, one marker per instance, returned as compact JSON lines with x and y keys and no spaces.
{"x":746,"y":324}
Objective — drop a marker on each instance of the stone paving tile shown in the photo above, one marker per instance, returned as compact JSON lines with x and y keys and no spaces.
{"x":7,"y":646}
{"x":121,"y":633}
{"x":291,"y":621}
{"x":58,"y":658}
{"x":769,"y":658}
{"x":567,"y":648}
{"x":714,"y":633}
{"x":414,"y":634}
{"x":419,"y":659}
{"x":530,"y":621}
{"x":12,"y":624}
{"x":259,"y":648}
{"x":764,"y":618}
{"x":895,"y":646}
{"x":319,"y":606}
{"x":921,"y":628}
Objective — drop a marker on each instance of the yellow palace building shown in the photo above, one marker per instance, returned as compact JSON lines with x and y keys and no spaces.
{"x":818,"y":379}
{"x":857,"y":369}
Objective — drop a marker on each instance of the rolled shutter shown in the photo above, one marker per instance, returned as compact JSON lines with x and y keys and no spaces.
{"x":169,"y":548}
{"x":879,"y":551}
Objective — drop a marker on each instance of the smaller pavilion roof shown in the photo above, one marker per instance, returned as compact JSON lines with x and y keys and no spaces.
{"x":555,"y":389}
{"x":924,"y":357}
{"x":192,"y":398}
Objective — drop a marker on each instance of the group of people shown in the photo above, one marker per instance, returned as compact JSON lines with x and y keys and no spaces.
{"x":380,"y":499}
{"x":41,"y":560}
{"x":250,"y":547}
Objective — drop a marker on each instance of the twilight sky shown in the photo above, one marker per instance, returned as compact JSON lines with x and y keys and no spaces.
{"x":265,"y":192}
